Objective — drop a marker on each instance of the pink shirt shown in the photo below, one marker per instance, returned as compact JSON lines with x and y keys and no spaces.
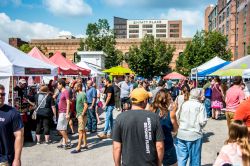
{"x":233,"y":98}
{"x":62,"y":106}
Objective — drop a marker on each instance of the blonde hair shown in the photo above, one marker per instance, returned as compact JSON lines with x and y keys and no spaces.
{"x":238,"y":133}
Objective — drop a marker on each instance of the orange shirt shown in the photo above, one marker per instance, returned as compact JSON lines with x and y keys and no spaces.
{"x":243,"y":112}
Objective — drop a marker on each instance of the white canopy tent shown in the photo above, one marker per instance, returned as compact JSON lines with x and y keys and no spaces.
{"x":209,"y":64}
{"x":16,"y":63}
{"x":94,"y":71}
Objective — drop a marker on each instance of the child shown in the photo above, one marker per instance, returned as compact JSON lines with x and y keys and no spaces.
{"x":236,"y":150}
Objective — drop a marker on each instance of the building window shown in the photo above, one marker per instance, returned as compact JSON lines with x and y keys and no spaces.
{"x":160,"y":35}
{"x":133,"y":26}
{"x":161,"y":30}
{"x":228,"y":12}
{"x":236,"y":52}
{"x":161,"y":25}
{"x":215,"y":23}
{"x":227,"y":26}
{"x":148,"y":30}
{"x":174,"y":30}
{"x":174,"y":35}
{"x":219,"y":19}
{"x":245,"y":13}
{"x":237,"y":34}
{"x":227,"y":40}
{"x":237,"y":18}
{"x":223,"y":29}
{"x":245,"y":29}
{"x":147,"y":26}
{"x":64,"y":54}
{"x":237,"y":3}
{"x":133,"y":31}
{"x":174,"y":25}
{"x":133,"y":36}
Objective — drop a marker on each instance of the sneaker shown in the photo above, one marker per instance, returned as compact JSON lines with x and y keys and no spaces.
{"x":49,"y":142}
{"x":61,"y":146}
{"x":38,"y":142}
{"x":75,"y":151}
{"x":102,"y":136}
{"x":68,"y":146}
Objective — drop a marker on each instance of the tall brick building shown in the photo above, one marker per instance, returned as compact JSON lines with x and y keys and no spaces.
{"x":231,"y":18}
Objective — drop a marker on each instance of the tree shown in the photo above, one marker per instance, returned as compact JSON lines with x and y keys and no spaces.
{"x":101,"y":38}
{"x":151,"y":58}
{"x":203,"y":47}
{"x":25,"y":48}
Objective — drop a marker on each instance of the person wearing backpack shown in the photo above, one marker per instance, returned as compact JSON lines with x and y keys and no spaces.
{"x":208,"y":94}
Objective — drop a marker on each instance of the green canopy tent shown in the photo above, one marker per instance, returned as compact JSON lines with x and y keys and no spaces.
{"x":118,"y":70}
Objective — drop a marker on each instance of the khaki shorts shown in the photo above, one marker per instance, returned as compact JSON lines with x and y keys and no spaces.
{"x":230,"y":117}
{"x":82,"y":121}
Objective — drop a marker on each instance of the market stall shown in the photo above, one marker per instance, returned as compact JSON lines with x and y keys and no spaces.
{"x":14,"y":64}
{"x":209,"y":67}
{"x":236,"y":68}
{"x":66,"y":67}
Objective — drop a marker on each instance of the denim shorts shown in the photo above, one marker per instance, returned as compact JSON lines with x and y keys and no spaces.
{"x":170,"y":157}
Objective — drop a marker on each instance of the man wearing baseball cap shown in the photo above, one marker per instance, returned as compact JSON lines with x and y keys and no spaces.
{"x":137,"y":135}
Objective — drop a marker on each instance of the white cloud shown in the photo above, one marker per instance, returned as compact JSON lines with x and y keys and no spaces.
{"x":68,"y":7}
{"x":192,"y":20}
{"x":26,"y":30}
{"x":119,"y":3}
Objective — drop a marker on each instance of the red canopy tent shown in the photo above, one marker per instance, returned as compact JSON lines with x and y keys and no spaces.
{"x":174,"y":76}
{"x":36,"y":53}
{"x":66,"y":67}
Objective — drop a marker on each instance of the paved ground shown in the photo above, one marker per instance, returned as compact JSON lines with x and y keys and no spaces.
{"x":100,"y":152}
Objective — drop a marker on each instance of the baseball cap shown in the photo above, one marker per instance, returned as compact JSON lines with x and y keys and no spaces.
{"x":22,"y":81}
{"x":138,"y":95}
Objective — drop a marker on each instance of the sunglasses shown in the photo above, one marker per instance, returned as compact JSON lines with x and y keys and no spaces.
{"x":2,"y":94}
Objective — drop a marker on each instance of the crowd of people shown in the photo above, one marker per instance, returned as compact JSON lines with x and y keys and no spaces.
{"x":161,"y":122}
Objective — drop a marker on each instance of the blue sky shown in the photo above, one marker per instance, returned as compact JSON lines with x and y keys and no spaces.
{"x":30,"y":19}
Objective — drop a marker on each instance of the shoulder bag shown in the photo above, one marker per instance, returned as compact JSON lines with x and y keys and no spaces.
{"x":34,"y":115}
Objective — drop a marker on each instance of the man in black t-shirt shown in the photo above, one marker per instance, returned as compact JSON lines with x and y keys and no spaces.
{"x":11,"y":133}
{"x":108,"y":106}
{"x":137,"y":135}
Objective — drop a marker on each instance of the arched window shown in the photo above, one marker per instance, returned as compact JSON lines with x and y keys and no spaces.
{"x":64,"y":54}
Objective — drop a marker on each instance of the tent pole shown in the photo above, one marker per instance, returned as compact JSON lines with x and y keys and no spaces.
{"x":196,"y":78}
{"x":12,"y":91}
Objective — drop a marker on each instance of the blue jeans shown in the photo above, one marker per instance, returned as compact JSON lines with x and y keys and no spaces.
{"x":207,"y":104}
{"x":109,"y":119}
{"x":189,"y":149}
{"x":92,"y":122}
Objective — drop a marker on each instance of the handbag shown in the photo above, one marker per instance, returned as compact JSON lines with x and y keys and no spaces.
{"x":34,"y":115}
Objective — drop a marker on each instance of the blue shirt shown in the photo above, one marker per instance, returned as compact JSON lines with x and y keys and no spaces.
{"x":10,"y":122}
{"x":91,"y":93}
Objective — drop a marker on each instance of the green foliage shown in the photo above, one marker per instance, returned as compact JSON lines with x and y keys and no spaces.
{"x":151,"y":58}
{"x":101,"y":38}
{"x":203,"y":47}
{"x":25,"y":48}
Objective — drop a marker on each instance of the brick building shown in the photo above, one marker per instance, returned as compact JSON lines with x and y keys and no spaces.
{"x":231,"y":18}
{"x":16,"y":42}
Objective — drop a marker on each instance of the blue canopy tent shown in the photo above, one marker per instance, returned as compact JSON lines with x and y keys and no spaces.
{"x":206,"y":72}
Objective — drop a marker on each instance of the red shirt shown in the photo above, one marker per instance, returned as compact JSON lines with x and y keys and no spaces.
{"x":243,"y":112}
{"x":62,"y":106}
